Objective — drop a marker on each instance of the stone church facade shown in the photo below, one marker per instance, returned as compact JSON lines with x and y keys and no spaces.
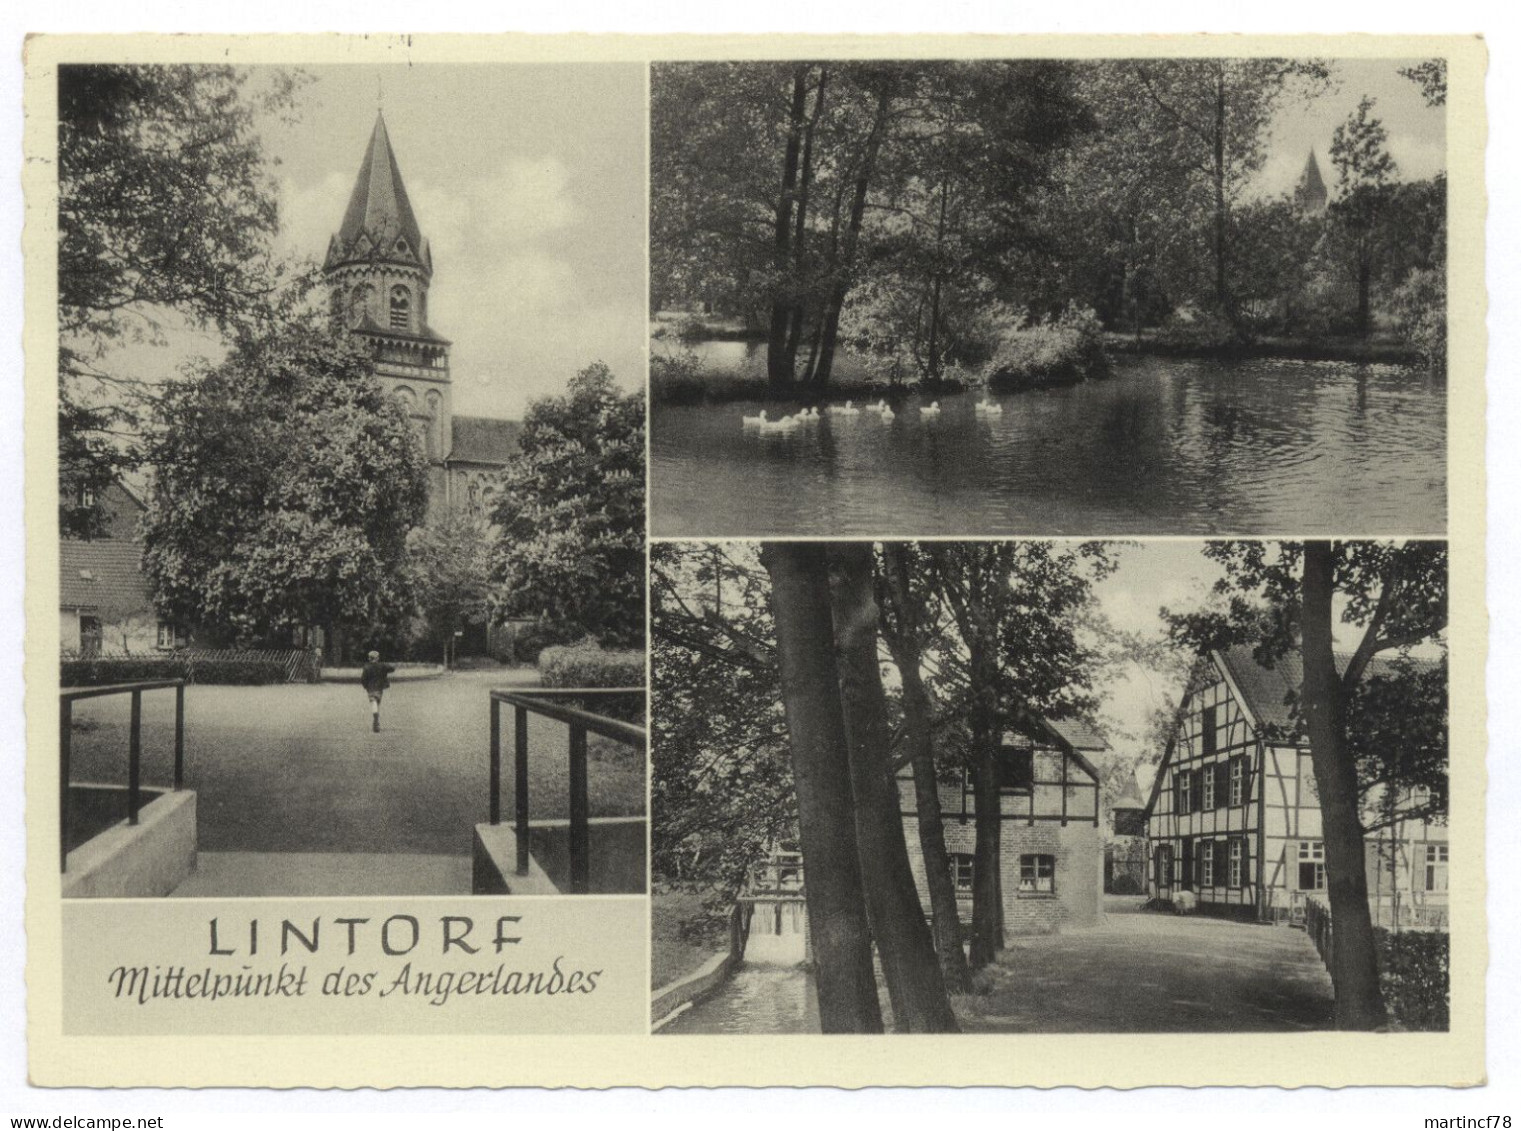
{"x":378,"y":270}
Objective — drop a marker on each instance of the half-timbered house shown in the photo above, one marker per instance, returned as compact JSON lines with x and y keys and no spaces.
{"x":1051,"y":853}
{"x":1234,"y":816}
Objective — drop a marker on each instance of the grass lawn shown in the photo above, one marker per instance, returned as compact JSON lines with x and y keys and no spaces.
{"x":684,"y":935}
{"x":296,"y":768}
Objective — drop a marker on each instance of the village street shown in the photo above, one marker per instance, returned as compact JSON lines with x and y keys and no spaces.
{"x":296,"y":795}
{"x":1136,"y":972}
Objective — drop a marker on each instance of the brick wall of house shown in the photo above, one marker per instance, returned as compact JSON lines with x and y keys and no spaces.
{"x":1079,"y":872}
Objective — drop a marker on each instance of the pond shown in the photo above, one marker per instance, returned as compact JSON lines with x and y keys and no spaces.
{"x":1164,"y":446}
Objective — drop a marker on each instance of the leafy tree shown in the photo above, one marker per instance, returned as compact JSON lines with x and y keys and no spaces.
{"x":1018,"y":608}
{"x":449,"y":569}
{"x":1281,"y":598}
{"x":721,"y":776}
{"x":1364,"y":175}
{"x":165,"y":211}
{"x":1210,"y":118}
{"x":570,"y":515}
{"x":1431,"y":77}
{"x":285,"y":483}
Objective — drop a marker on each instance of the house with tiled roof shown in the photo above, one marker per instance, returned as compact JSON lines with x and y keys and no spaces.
{"x":104,"y":604}
{"x":1234,"y":817}
{"x":1050,"y":849}
{"x":378,"y":269}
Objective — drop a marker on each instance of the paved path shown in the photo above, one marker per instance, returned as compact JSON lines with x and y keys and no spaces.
{"x":1137,"y":972}
{"x":1148,"y":972}
{"x":296,"y":769}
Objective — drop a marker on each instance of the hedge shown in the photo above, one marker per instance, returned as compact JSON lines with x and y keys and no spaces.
{"x":131,"y":669}
{"x":1413,"y":973}
{"x":588,"y":665}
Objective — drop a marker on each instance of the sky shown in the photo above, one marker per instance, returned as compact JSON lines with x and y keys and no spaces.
{"x":528,"y":181}
{"x":1417,"y":132}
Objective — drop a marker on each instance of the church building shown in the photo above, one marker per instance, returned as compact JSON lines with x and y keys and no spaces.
{"x":378,"y":269}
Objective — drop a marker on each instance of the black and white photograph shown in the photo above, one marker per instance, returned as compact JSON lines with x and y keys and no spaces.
{"x":1050,"y":787}
{"x":351,"y":480}
{"x":569,"y":550}
{"x":1082,"y":297}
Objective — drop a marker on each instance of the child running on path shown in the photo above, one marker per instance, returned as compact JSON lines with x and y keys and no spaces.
{"x":373,"y":677}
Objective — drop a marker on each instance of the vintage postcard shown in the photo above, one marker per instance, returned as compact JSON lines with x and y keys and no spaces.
{"x":760,"y":561}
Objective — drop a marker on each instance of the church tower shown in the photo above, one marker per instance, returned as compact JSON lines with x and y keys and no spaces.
{"x":378,"y":268}
{"x":1310,"y":192}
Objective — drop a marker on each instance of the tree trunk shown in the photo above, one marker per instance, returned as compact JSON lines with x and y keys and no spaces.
{"x":837,"y":925}
{"x":829,"y":333}
{"x":1354,"y":959}
{"x":920,"y":1004}
{"x":1364,"y":297}
{"x":1222,"y":289}
{"x":987,"y":893}
{"x":800,"y":220}
{"x":906,"y":645}
{"x":783,"y":301}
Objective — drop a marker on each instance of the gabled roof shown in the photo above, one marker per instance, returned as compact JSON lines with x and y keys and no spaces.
{"x":1265,"y":693}
{"x":1080,"y":735}
{"x":379,"y":222}
{"x":484,"y":439}
{"x":102,"y":574}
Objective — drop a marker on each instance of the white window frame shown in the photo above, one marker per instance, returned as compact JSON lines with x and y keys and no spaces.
{"x":1312,"y":852}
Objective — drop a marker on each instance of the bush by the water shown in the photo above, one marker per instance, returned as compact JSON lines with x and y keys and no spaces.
{"x":1420,"y":313}
{"x":1413,"y":973}
{"x":1067,"y":348}
{"x":132,"y":669}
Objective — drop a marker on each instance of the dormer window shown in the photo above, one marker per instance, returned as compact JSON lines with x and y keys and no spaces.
{"x":401,"y":308}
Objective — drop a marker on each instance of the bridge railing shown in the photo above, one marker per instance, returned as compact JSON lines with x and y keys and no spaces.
{"x":66,"y":700}
{"x":558,"y":704}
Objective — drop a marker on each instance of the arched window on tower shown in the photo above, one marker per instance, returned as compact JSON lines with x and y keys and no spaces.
{"x":359,"y":303}
{"x":335,"y":301}
{"x":401,"y":308}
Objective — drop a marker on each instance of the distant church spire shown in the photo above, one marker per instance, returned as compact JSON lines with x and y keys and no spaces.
{"x":1310,"y":194}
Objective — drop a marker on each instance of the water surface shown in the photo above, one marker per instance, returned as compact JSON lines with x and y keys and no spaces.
{"x":1164,"y":446}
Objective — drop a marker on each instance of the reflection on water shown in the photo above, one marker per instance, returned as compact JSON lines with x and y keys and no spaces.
{"x":757,"y":999}
{"x":1164,"y":446}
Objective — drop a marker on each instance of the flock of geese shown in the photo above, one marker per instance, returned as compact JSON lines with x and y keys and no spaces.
{"x":882,"y":410}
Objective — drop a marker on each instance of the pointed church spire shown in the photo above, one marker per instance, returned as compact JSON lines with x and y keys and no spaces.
{"x":379,"y":223}
{"x":1310,"y":193}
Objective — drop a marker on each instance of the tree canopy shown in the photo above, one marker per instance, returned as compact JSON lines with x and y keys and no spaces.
{"x":285,"y":482}
{"x":570,"y":515}
{"x":165,"y":212}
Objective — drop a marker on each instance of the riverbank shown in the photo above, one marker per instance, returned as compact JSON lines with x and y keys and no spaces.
{"x":684,"y":935}
{"x":1356,"y":351}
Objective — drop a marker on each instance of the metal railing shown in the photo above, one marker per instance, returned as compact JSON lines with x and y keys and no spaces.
{"x":66,"y":701}
{"x":549,"y":703}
